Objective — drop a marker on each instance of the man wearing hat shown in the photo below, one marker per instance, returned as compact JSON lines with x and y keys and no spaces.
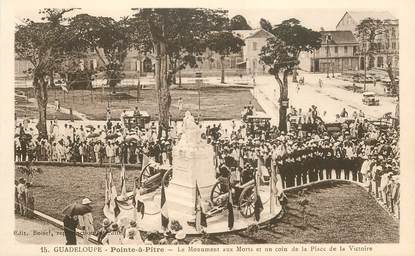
{"x":86,"y":222}
{"x":133,"y":228}
{"x":132,"y":238}
{"x":114,"y":237}
{"x":104,"y":230}
{"x":21,"y":196}
{"x":180,"y":236}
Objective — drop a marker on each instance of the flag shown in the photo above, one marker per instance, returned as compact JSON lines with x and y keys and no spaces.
{"x":123,"y":185}
{"x":146,"y":159}
{"x":230,"y":210}
{"x":258,"y":207}
{"x":116,"y":208}
{"x":107,"y":190}
{"x":137,"y":201}
{"x":64,"y":88}
{"x":273,"y":191}
{"x":112,"y":195}
{"x":163,"y":209}
{"x":200,"y":215}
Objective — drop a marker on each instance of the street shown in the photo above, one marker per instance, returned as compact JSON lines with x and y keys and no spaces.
{"x":331,"y":98}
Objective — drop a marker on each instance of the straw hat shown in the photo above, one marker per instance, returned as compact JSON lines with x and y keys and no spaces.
{"x":133,"y":223}
{"x":180,"y":235}
{"x":86,"y":201}
{"x":106,"y":222}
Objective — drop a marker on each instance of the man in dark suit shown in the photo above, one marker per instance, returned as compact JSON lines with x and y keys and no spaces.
{"x":69,"y":225}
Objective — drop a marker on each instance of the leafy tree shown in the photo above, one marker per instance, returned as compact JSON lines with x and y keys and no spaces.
{"x":281,"y":55}
{"x":46,"y":45}
{"x":108,"y":38}
{"x":280,"y":58}
{"x":224,"y":43}
{"x":239,"y":22}
{"x":367,"y":32}
{"x":298,"y":38}
{"x":265,"y":25}
{"x":176,"y":36}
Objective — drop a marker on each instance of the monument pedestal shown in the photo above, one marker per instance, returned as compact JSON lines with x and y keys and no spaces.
{"x":190,"y":165}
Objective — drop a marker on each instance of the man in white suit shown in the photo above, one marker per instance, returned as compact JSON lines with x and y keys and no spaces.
{"x":86,"y":222}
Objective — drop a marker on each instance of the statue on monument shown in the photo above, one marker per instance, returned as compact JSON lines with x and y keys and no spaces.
{"x":191,"y":133}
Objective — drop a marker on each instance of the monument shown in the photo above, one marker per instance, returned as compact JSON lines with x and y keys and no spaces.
{"x":193,"y":161}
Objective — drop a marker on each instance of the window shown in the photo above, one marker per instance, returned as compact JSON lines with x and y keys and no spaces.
{"x":393,"y":45}
{"x":380,"y":62}
{"x":327,"y":51}
{"x":254,"y":46}
{"x":354,"y":50}
{"x":336,"y":49}
{"x":345,"y":50}
{"x":329,"y":37}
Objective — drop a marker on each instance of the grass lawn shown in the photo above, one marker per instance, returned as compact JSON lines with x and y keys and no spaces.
{"x":337,"y":213}
{"x":216,"y":103}
{"x":340,"y":213}
{"x":23,"y":108}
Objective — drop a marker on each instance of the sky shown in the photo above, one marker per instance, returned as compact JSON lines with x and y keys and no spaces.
{"x":311,"y":18}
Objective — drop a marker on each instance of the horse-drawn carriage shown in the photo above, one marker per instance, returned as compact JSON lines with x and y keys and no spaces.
{"x":255,"y":121}
{"x":132,"y":120}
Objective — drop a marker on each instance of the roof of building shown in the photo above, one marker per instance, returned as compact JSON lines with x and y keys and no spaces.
{"x":338,"y":37}
{"x":381,"y":15}
{"x":244,"y":34}
{"x":358,"y":16}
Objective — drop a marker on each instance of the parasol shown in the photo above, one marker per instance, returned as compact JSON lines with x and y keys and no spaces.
{"x":370,"y":141}
{"x":89,"y":126}
{"x":76,"y":209}
{"x":93,"y":135}
{"x":112,"y":136}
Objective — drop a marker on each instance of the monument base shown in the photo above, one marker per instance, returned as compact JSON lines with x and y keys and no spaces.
{"x":181,"y":199}
{"x":191,"y":166}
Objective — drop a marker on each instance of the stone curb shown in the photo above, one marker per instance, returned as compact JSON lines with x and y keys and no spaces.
{"x":62,"y":164}
{"x":57,"y":223}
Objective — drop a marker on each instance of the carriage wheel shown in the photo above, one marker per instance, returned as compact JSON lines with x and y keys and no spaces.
{"x":168,"y":175}
{"x":216,"y":194}
{"x":247,"y":201}
{"x":144,"y":175}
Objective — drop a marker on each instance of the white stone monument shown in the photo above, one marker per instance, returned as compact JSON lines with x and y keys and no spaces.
{"x":192,"y":161}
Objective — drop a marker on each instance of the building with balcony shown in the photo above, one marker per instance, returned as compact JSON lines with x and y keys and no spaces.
{"x":338,"y":53}
{"x":387,"y":43}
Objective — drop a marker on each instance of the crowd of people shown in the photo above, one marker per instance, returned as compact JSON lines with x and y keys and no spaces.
{"x":110,"y":143}
{"x":309,"y":150}
{"x":356,"y":150}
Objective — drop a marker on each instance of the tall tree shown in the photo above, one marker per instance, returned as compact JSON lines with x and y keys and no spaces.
{"x":238,"y":22}
{"x":224,"y":43}
{"x":298,"y":38}
{"x":176,"y":36}
{"x":281,"y":54}
{"x":265,"y":25}
{"x":46,"y":45}
{"x":108,"y":38}
{"x":280,"y":58}
{"x":367,"y":32}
